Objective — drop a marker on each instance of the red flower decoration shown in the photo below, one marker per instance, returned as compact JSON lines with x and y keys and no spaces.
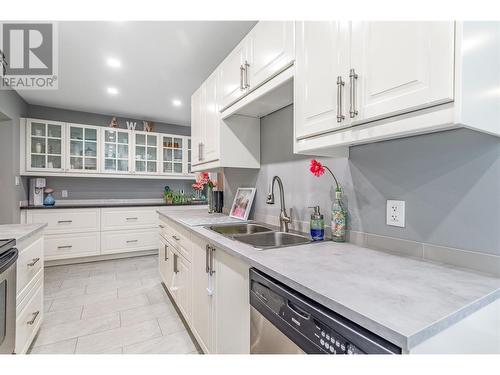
{"x":317,"y":168}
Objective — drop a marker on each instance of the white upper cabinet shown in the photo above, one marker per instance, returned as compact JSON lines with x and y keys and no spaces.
{"x":116,"y":151}
{"x":146,"y":155}
{"x":44,"y":146}
{"x":270,"y":49}
{"x":320,"y":68}
{"x":173,"y":154}
{"x":83,"y":148}
{"x":401,"y":66}
{"x":211,"y":128}
{"x":197,"y":125}
{"x":232,"y":74}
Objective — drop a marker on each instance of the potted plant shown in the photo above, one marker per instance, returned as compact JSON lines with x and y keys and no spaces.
{"x":169,"y":196}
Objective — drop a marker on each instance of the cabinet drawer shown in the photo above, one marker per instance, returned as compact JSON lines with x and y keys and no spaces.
{"x":114,"y":219}
{"x":131,"y":240}
{"x":178,"y":237}
{"x":66,"y":220}
{"x":29,"y":263}
{"x":71,"y":245}
{"x":29,"y":317}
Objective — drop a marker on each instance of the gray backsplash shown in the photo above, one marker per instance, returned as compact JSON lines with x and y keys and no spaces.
{"x":449,"y":180}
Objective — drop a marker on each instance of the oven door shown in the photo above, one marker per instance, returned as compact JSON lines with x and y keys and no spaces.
{"x":8,"y":301}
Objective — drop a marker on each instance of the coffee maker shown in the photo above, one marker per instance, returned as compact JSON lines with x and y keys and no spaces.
{"x":37,"y":187}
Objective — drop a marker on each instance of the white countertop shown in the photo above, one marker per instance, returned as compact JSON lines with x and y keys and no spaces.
{"x":19,"y":231}
{"x":404,"y":300}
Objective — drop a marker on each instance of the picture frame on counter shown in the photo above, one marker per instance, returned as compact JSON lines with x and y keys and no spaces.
{"x":242,"y":203}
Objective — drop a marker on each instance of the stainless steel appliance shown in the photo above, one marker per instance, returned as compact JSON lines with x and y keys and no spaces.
{"x":8,"y":258}
{"x":37,"y":186}
{"x":285,"y":322}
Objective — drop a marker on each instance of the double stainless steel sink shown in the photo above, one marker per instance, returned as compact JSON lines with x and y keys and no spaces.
{"x":260,"y":236}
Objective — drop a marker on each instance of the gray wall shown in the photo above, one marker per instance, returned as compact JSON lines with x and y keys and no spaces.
{"x":113,"y":188}
{"x":449,"y":180}
{"x":12,"y":107}
{"x":65,"y":115}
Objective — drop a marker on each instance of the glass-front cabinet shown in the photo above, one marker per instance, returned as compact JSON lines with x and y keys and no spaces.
{"x":116,"y":151}
{"x":66,"y":148}
{"x":146,"y":153}
{"x":173,"y":154}
{"x":83,"y":150}
{"x":45,"y":145}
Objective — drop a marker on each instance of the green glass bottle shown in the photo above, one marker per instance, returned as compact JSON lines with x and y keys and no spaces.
{"x":339,"y":218}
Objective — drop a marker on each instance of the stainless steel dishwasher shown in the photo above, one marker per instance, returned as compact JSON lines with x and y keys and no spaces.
{"x":285,"y":322}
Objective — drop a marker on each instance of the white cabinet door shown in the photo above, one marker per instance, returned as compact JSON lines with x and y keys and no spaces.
{"x":210,"y":141}
{"x":45,"y":146}
{"x":320,"y":50}
{"x":165,"y":259}
{"x":401,"y":66}
{"x":197,"y":125}
{"x":173,"y":155}
{"x":83,"y":148}
{"x":146,"y":154}
{"x":232,"y":306}
{"x":116,"y":151}
{"x":231,"y":75}
{"x":184,"y":285}
{"x":203,"y":307}
{"x":270,"y":49}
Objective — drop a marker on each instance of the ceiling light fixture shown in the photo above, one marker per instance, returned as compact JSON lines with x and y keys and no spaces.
{"x":176,"y":103}
{"x":112,"y":90}
{"x":114,"y":63}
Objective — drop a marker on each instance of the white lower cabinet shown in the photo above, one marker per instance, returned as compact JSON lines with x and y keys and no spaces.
{"x":119,"y":241}
{"x":29,"y":317}
{"x":165,"y":262}
{"x":72,"y":245}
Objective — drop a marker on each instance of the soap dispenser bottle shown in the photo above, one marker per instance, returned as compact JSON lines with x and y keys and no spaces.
{"x":317,"y":225}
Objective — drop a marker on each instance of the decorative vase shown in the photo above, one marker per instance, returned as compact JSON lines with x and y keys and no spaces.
{"x":49,"y":200}
{"x":210,"y":199}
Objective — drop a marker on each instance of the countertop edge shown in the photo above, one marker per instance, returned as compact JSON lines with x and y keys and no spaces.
{"x":406,"y":342}
{"x":109,"y":205}
{"x":38,"y":228}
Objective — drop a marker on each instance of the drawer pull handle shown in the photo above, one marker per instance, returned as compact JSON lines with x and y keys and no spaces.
{"x":34,"y":261}
{"x":65,"y":247}
{"x":175,"y":238}
{"x":32,"y":321}
{"x":64,"y":221}
{"x":131,"y":218}
{"x":161,"y":226}
{"x":131,"y":241}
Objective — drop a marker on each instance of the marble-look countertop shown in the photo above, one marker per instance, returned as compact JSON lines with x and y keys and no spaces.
{"x":402,"y":299}
{"x":19,"y":231}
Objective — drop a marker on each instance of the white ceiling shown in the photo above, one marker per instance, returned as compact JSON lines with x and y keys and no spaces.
{"x":160,"y":62}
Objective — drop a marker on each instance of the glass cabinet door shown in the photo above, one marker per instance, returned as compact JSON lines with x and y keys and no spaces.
{"x":45,"y":145}
{"x":146,"y":153}
{"x":82,"y":153}
{"x":116,"y":151}
{"x":172,"y":154}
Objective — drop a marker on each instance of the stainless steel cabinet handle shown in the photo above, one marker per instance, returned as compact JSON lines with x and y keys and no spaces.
{"x":242,"y":74}
{"x":175,"y":237}
{"x":131,"y":241}
{"x":200,"y":150}
{"x":33,"y":262}
{"x":161,"y":226}
{"x":32,"y":321}
{"x":176,"y":269}
{"x":207,"y":257}
{"x":131,"y":218}
{"x":64,"y":221}
{"x":246,"y":65}
{"x":212,"y":253}
{"x":340,"y":86}
{"x":65,"y":247}
{"x":166,"y":252}
{"x":353,"y":77}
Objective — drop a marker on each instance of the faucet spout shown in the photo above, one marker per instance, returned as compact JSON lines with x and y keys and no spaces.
{"x":285,"y":219}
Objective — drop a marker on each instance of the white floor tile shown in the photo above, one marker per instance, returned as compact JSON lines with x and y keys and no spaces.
{"x":118,"y":337}
{"x":112,"y":286}
{"x":64,"y":316}
{"x":113,"y":305}
{"x":76,"y":301}
{"x":145,"y":313}
{"x":171,"y":324}
{"x":61,"y":347}
{"x":176,"y":343}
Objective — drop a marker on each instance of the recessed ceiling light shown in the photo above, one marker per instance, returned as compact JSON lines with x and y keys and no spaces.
{"x":176,"y":102}
{"x":114,"y":63}
{"x":112,"y":90}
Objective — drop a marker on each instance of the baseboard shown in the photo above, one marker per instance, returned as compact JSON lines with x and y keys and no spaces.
{"x":97,"y":258}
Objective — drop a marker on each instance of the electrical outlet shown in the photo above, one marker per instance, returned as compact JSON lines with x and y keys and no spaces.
{"x":17,"y":181}
{"x":64,"y":193}
{"x":395,"y":213}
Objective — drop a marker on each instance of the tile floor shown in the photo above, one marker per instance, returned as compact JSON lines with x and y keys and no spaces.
{"x":109,"y":307}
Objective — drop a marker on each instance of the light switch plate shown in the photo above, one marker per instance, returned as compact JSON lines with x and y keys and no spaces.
{"x":64,"y":193}
{"x":395,"y":213}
